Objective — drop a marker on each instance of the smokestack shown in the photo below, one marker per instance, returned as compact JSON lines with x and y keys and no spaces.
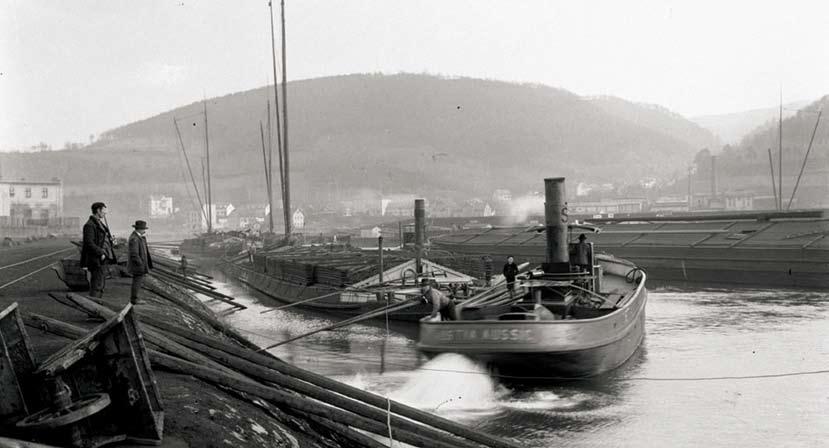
{"x":713,"y":176}
{"x":555,"y":216}
{"x":420,"y":233}
{"x":690,"y":191}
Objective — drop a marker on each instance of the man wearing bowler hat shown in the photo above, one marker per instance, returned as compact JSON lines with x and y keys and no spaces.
{"x":140,"y":262}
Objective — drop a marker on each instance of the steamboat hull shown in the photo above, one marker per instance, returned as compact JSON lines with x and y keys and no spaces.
{"x":538,"y":350}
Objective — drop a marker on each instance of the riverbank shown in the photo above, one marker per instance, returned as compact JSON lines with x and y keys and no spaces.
{"x":218,"y":388}
{"x":197,"y":413}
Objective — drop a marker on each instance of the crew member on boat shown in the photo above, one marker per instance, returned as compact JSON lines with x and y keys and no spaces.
{"x":510,"y":272}
{"x":583,"y":255}
{"x":440,"y":303}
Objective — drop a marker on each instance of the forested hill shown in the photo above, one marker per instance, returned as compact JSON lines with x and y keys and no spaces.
{"x":660,"y":119}
{"x":398,"y":133}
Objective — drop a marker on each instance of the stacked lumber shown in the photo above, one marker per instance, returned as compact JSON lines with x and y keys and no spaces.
{"x":336,"y":266}
{"x":337,"y":407}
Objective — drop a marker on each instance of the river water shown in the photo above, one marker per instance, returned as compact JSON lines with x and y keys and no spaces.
{"x":688,"y":385}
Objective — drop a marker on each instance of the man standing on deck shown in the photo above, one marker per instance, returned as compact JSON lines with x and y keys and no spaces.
{"x":583,"y":254}
{"x":140,"y":262}
{"x":440,"y":303}
{"x":510,"y":271}
{"x":96,"y":249}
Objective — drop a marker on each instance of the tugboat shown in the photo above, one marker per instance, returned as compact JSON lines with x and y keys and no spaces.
{"x":560,"y":321}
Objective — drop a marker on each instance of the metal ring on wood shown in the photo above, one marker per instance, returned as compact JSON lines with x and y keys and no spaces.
{"x":631,"y":277}
{"x":75,"y":412}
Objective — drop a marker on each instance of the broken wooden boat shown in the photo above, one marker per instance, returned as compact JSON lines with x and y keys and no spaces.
{"x":559,"y":322}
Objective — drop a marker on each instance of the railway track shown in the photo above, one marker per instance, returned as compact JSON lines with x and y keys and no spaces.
{"x":17,"y":264}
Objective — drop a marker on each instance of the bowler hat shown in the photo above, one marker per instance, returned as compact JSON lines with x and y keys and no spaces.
{"x":582,"y":237}
{"x":140,"y":225}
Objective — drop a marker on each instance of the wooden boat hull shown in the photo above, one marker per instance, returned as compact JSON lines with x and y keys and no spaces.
{"x":288,"y":293}
{"x":544,"y":349}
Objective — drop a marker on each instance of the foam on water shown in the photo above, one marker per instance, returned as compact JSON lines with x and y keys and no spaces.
{"x":450,"y":383}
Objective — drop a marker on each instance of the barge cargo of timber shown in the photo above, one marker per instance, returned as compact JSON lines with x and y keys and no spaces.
{"x":293,"y":279}
{"x":774,"y":249}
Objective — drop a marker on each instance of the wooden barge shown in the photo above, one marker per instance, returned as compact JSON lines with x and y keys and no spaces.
{"x":747,"y":249}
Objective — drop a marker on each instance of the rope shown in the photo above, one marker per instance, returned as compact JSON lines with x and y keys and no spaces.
{"x":558,"y":378}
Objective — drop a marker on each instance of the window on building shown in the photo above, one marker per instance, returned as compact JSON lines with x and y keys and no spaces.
{"x":28,"y":192}
{"x":44,"y":193}
{"x":11,"y":192}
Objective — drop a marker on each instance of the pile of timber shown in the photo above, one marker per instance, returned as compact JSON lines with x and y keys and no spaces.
{"x":336,"y":266}
{"x":254,"y":375}
{"x":167,"y":270}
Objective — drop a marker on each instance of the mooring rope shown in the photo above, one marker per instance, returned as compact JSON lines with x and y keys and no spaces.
{"x":571,"y":379}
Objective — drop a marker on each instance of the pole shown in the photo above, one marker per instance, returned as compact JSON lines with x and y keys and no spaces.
{"x":287,"y":173}
{"x":420,"y":224}
{"x":805,"y":158}
{"x":269,"y":168}
{"x":380,"y":256}
{"x":186,"y":159}
{"x":780,"y":155}
{"x":690,"y":197}
{"x":276,"y":109}
{"x":209,"y":188}
{"x":204,"y":185}
{"x":267,"y":178}
{"x":773,"y":185}
{"x":368,"y":315}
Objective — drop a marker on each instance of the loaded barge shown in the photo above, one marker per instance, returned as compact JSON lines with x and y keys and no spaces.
{"x":772,"y":249}
{"x":349,"y":282}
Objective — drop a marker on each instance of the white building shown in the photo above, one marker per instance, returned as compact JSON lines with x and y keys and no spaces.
{"x":220,"y":213}
{"x":161,"y":207}
{"x":502,"y":195}
{"x":298,"y":219}
{"x":373,"y":232}
{"x":24,"y":199}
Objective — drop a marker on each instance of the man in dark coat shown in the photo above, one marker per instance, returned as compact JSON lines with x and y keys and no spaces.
{"x":139,"y":262}
{"x":510,"y":271}
{"x":96,"y":249}
{"x":583,"y":254}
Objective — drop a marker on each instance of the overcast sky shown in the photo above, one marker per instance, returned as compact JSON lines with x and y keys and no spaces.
{"x":69,"y":69}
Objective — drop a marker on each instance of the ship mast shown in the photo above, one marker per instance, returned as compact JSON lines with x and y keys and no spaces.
{"x":780,"y":156}
{"x":209,"y":188}
{"x":283,"y":129}
{"x":287,"y":176}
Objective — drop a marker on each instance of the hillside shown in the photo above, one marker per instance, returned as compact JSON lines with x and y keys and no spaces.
{"x":403,"y":133}
{"x":657,"y":118}
{"x":745,"y":167}
{"x":731,"y":128}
